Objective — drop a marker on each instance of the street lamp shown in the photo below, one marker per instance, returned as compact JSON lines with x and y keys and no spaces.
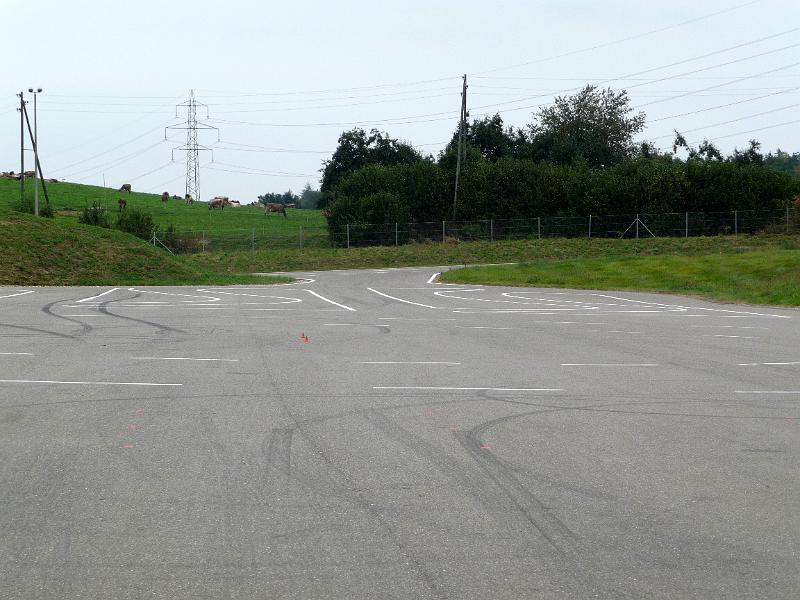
{"x":35,"y":154}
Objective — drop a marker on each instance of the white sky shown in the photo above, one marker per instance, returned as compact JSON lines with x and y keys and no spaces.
{"x":291,"y":76}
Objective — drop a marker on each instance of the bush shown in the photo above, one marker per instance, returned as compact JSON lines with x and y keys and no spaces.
{"x":94,"y":215}
{"x":136,"y":222}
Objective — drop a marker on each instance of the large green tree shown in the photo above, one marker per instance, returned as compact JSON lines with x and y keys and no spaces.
{"x":595,"y":127}
{"x":356,"y":149}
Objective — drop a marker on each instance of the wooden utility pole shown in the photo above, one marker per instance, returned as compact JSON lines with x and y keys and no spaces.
{"x":462,"y":124}
{"x":21,"y":110}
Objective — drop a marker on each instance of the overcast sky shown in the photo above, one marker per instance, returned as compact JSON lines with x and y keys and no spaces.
{"x":282,"y":80}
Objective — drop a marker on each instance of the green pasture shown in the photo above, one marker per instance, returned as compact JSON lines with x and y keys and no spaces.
{"x":68,"y":199}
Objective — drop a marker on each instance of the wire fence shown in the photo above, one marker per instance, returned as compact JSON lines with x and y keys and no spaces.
{"x":687,"y":224}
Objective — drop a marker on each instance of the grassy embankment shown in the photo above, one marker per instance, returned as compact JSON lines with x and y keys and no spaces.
{"x":59,"y":251}
{"x":766,"y":276}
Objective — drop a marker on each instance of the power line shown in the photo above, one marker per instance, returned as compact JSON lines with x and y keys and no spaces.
{"x":710,"y":108}
{"x":738,"y":133}
{"x":766,"y":112}
{"x":615,"y":42}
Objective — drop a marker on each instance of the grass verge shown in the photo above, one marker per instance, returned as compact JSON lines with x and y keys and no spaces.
{"x":767,"y":276}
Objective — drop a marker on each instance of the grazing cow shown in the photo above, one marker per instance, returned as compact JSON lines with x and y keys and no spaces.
{"x":30,"y":173}
{"x":123,"y":204}
{"x":274,"y":207}
{"x":188,"y":198}
{"x":219,"y":202}
{"x":290,"y":205}
{"x":236,"y":204}
{"x":165,"y":197}
{"x":126,"y":187}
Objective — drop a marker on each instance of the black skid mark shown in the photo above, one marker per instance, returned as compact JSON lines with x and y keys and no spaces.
{"x":48,"y":310}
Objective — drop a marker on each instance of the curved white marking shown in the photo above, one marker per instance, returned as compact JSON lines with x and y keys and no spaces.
{"x":204,"y":298}
{"x":284,"y":298}
{"x":735,"y":312}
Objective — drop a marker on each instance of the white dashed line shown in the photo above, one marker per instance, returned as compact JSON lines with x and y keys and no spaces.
{"x":183,"y":358}
{"x":90,"y":382}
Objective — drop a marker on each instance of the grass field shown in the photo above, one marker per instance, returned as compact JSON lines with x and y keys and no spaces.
{"x":68,"y":199}
{"x":40,"y":251}
{"x":766,"y":276}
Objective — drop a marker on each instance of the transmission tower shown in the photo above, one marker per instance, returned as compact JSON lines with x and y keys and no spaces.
{"x":192,"y":147}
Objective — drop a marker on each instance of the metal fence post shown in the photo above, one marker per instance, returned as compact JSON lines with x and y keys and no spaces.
{"x":687,"y":224}
{"x":348,"y":235}
{"x":590,"y":226}
{"x":637,"y":226}
{"x":396,"y":239}
{"x":539,"y":227}
{"x":491,"y":230}
{"x":253,"y":240}
{"x":301,"y":237}
{"x":443,"y":232}
{"x":736,"y":222}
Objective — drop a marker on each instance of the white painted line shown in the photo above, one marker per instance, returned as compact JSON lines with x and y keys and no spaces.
{"x":729,"y":327}
{"x":18,"y":294}
{"x":98,"y":295}
{"x":340,"y":324}
{"x":719,"y":335}
{"x":83,"y":316}
{"x":491,"y":389}
{"x":617,"y":331}
{"x":767,"y":392}
{"x":480,"y":327}
{"x":433,"y":278}
{"x":328,"y":300}
{"x":412,"y":319}
{"x":90,"y":382}
{"x":16,"y":354}
{"x":609,"y":365}
{"x":396,"y":362}
{"x":401,"y":300}
{"x":767,"y":363}
{"x":737,"y":313}
{"x":183,"y":358}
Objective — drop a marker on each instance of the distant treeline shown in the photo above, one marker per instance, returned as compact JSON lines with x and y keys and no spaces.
{"x":578,"y":158}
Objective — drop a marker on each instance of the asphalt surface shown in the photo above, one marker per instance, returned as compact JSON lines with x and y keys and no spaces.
{"x":373,"y":434}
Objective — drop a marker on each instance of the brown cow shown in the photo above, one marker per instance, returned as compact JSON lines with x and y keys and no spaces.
{"x":126,"y":187}
{"x":165,"y":197}
{"x":188,"y":198}
{"x":219,"y":202}
{"x":274,"y":207}
{"x":123,"y":204}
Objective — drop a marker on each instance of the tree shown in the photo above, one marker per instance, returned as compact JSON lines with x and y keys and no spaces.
{"x":356,"y":149}
{"x":309,"y":197}
{"x":594,"y":126}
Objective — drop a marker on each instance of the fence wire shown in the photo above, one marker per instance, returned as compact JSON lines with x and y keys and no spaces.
{"x":687,"y":224}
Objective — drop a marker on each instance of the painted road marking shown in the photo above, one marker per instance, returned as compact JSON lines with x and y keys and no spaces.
{"x":720,"y":335}
{"x":400,"y":299}
{"x":18,"y":294}
{"x":767,"y":363}
{"x":81,"y":316}
{"x":767,"y":392}
{"x":433,"y":278}
{"x":399,"y":362}
{"x":98,"y":295}
{"x":183,"y":358}
{"x":330,"y":301}
{"x":480,"y":327}
{"x":90,"y":382}
{"x":609,"y":365}
{"x":491,"y":389}
{"x":16,"y":354}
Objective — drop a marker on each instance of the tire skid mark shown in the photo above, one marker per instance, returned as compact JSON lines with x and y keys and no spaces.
{"x":103,"y":308}
{"x":48,"y":310}
{"x":535,"y":512}
{"x":37,"y":330}
{"x":358,"y":499}
{"x":278,"y":449}
{"x":472,"y":482}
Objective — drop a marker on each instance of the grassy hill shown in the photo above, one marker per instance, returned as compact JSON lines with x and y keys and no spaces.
{"x":39,"y":251}
{"x":68,"y":199}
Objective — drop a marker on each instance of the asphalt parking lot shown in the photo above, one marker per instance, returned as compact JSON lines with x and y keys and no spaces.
{"x":377,"y":434}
